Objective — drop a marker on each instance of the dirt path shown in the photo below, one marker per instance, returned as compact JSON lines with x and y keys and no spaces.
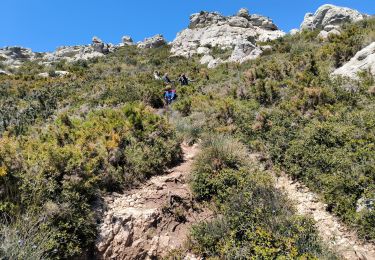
{"x":150,"y":221}
{"x":336,"y":235}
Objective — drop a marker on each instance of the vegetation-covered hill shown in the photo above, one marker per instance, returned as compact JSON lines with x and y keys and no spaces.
{"x":65,"y":141}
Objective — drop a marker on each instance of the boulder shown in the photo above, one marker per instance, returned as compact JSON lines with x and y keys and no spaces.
{"x":262,"y":22}
{"x":308,"y":22}
{"x":204,"y":19}
{"x":324,"y":35}
{"x":203,"y":50}
{"x":364,"y":60}
{"x":61,"y":73}
{"x":238,"y":33}
{"x":3,"y":72}
{"x":328,"y":15}
{"x":43,"y":75}
{"x":365,"y":204}
{"x":206,"y":59}
{"x":99,"y":46}
{"x":244,"y":52}
{"x":243,"y":12}
{"x":153,"y":42}
{"x":237,"y":21}
{"x":127,"y":40}
{"x":294,"y":32}
{"x":214,"y":63}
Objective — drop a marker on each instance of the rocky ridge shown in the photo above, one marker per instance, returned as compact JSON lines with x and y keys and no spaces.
{"x":236,"y":34}
{"x":14,"y":56}
{"x":217,"y":38}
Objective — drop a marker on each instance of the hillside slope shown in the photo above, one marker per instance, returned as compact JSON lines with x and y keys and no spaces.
{"x":68,"y":141}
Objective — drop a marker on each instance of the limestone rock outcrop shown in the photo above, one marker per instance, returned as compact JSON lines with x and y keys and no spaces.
{"x":238,"y":34}
{"x":326,"y":34}
{"x":14,"y":56}
{"x":364,"y":60}
{"x":153,"y":42}
{"x":126,"y":40}
{"x":330,"y":15}
{"x":99,"y":46}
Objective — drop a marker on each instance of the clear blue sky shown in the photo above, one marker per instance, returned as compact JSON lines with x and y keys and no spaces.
{"x":44,"y":25}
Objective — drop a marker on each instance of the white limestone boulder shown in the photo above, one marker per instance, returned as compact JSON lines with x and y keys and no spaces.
{"x":364,"y":60}
{"x":328,"y":15}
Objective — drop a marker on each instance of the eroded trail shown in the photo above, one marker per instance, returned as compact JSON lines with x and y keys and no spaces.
{"x":336,"y":235}
{"x":150,"y":221}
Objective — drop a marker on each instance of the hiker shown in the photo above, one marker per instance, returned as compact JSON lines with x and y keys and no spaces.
{"x":169,"y":95}
{"x":184,"y":81}
{"x":166,"y":79}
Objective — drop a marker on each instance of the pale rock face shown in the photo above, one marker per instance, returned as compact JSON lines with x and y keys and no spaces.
{"x":294,"y":32}
{"x":57,"y":73}
{"x":308,"y":22}
{"x":243,"y":12}
{"x":237,"y":21}
{"x":364,"y":60}
{"x":62,"y":73}
{"x":244,"y":52}
{"x":262,"y":22}
{"x":43,"y":75}
{"x":15,"y":56}
{"x":238,"y":33}
{"x":203,"y":19}
{"x":203,"y":50}
{"x":127,"y":40}
{"x":206,"y":59}
{"x":153,"y":42}
{"x":328,"y":15}
{"x":214,"y":63}
{"x":324,"y":35}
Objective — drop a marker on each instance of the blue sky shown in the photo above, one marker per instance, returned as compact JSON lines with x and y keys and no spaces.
{"x":44,"y":25}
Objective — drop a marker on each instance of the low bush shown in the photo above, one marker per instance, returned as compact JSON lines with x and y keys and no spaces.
{"x":254,"y":219}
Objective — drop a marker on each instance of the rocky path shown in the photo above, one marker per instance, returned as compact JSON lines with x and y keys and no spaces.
{"x":336,"y":235}
{"x":150,"y":221}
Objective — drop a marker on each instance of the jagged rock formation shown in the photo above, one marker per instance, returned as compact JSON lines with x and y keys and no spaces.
{"x":329,"y":17}
{"x":237,"y":34}
{"x":152,"y":42}
{"x":364,"y":60}
{"x":126,"y":41}
{"x":15,"y":56}
{"x":149,"y":222}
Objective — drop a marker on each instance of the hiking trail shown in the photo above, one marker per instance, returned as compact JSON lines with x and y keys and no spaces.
{"x":336,"y":235}
{"x":153,"y":219}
